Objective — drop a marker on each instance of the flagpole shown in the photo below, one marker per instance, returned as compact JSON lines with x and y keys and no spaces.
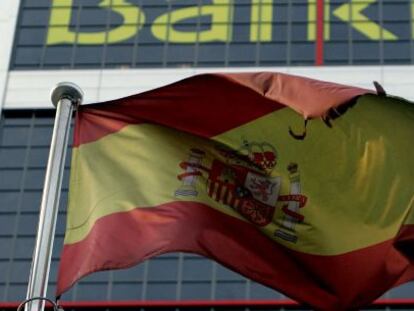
{"x":65,"y":97}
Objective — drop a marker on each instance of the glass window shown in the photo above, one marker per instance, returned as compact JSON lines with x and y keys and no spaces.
{"x":23,"y":246}
{"x":42,"y":135}
{"x":28,"y":224}
{"x":31,"y":36}
{"x":133,"y":274}
{"x":149,"y":54}
{"x":163,"y":269}
{"x":258,"y":291}
{"x":34,"y":17}
{"x":4,"y":268}
{"x":36,"y":3}
{"x":14,"y":136}
{"x":38,"y":157}
{"x":6,"y":248}
{"x":126,"y":291}
{"x":396,"y":52}
{"x":196,"y":291}
{"x":31,"y":200}
{"x":197,"y":269}
{"x":34,"y":179}
{"x":88,"y":55}
{"x":403,"y":291}
{"x":20,"y":270}
{"x":9,"y":199}
{"x":161,"y":291}
{"x":91,"y":291}
{"x":172,"y":37}
{"x":120,"y":55}
{"x":58,"y":55}
{"x":10,"y":179}
{"x":230,"y":290}
{"x":12,"y":157}
{"x":224,"y":274}
{"x":17,"y":290}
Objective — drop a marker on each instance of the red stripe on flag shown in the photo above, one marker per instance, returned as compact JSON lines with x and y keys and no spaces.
{"x":210,"y":104}
{"x":327,"y":282}
{"x":204,"y":105}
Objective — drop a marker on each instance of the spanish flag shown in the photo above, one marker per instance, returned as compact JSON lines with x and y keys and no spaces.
{"x":223,"y":165}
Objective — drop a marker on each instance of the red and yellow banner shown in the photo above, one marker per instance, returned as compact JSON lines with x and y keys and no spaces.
{"x":212,"y":165}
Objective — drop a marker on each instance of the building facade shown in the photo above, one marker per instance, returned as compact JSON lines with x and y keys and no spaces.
{"x":114,"y":48}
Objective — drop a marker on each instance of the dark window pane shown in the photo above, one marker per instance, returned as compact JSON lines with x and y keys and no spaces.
{"x":14,"y":136}
{"x":10,"y":179}
{"x":42,"y":136}
{"x":36,"y":3}
{"x":37,"y":17}
{"x":213,"y":52}
{"x":32,"y":36}
{"x":196,"y":291}
{"x":34,"y":179}
{"x":163,"y":269}
{"x":12,"y":157}
{"x":258,"y":291}
{"x":197,"y":270}
{"x":20,"y":271}
{"x":58,"y":55}
{"x":38,"y":157}
{"x":88,"y":55}
{"x":161,"y":291}
{"x":149,"y":54}
{"x":17,"y":291}
{"x":28,"y":224}
{"x":242,"y":53}
{"x":131,"y":274}
{"x":224,"y":274}
{"x":230,"y":290}
{"x":24,"y":247}
{"x":402,"y":291}
{"x":102,"y":276}
{"x":31,"y":200}
{"x":121,"y":55}
{"x":181,"y":54}
{"x":126,"y":291}
{"x":4,"y":268}
{"x":6,"y":248}
{"x":9,"y":200}
{"x":92,"y":291}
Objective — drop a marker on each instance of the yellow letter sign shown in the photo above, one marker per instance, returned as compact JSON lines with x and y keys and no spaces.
{"x":59,"y":32}
{"x":352,"y":13}
{"x":261,"y":17}
{"x":221,"y":12}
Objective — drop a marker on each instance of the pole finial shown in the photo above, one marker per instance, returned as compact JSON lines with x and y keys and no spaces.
{"x":67,"y":90}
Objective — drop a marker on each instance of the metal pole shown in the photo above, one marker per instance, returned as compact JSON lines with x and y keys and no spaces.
{"x":65,"y":97}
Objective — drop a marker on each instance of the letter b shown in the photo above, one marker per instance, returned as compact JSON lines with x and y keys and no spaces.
{"x":60,"y":16}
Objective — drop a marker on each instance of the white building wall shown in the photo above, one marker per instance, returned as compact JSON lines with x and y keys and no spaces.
{"x":31,"y":89}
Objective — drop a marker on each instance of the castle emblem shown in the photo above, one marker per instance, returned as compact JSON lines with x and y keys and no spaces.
{"x":243,"y":181}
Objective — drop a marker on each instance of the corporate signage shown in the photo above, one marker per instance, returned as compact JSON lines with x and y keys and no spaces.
{"x":220,"y":14}
{"x":144,"y":33}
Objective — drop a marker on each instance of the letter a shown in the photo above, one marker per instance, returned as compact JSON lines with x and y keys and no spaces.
{"x":221,"y":12}
{"x":60,"y":16}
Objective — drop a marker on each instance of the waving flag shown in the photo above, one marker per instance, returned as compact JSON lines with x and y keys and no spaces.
{"x":221,"y":165}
